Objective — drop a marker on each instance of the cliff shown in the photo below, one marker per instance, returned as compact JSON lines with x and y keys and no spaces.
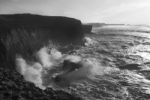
{"x":26,"y":33}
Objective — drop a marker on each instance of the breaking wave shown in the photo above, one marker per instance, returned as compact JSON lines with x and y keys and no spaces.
{"x":54,"y":69}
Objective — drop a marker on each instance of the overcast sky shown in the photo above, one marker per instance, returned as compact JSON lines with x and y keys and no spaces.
{"x":108,"y":11}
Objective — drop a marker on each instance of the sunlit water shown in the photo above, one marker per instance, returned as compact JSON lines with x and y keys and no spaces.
{"x":100,"y":76}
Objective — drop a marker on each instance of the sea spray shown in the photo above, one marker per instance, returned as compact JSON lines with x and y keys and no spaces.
{"x":73,"y":58}
{"x":53,"y":69}
{"x":44,"y":57}
{"x":31,"y":72}
{"x":34,"y":71}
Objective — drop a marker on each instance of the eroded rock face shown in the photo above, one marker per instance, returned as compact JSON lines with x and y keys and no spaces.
{"x":25,"y":33}
{"x":14,"y":87}
{"x":57,"y":26}
{"x":71,"y":67}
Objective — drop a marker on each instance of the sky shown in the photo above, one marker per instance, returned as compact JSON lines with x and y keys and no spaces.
{"x":102,"y":11}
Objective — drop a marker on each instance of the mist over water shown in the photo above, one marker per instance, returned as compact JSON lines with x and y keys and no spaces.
{"x":108,"y":65}
{"x":93,"y":71}
{"x":31,"y":72}
{"x":54,"y":69}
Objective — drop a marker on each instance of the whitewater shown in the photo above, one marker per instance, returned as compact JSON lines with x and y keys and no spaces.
{"x":109,"y":65}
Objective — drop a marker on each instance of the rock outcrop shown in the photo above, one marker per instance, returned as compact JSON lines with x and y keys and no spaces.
{"x":58,"y":26}
{"x":25,"y":33}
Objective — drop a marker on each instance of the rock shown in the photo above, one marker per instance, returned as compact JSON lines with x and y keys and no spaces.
{"x":71,"y":66}
{"x":28,"y":90}
{"x":25,"y":34}
{"x":59,"y":26}
{"x":2,"y":53}
{"x":87,"y":28}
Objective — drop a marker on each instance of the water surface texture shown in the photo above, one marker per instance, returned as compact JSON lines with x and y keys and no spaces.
{"x":112,"y":64}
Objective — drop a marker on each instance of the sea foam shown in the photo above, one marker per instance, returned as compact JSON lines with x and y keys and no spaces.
{"x":50,"y":70}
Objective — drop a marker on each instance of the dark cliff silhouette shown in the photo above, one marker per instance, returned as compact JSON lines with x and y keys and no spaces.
{"x":26,"y":33}
{"x":87,"y":28}
{"x":66,"y":28}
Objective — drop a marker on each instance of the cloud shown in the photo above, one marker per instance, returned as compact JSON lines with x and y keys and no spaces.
{"x":134,"y":13}
{"x":109,"y":11}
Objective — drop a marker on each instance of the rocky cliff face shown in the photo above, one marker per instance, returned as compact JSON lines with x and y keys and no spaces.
{"x":66,"y":28}
{"x":25,"y":33}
